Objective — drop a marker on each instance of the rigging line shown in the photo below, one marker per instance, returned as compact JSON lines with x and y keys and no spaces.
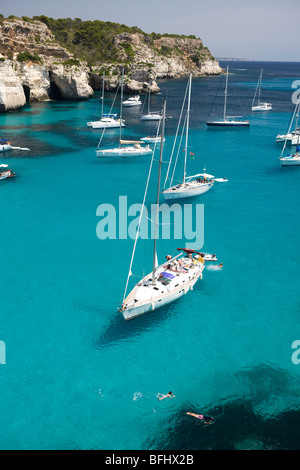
{"x":97,"y":104}
{"x":220,"y":81}
{"x":177,"y":130}
{"x":178,"y":151}
{"x":141,"y":214}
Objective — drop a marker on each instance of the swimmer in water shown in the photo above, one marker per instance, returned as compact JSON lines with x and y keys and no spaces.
{"x":160,"y":396}
{"x":205,"y":419}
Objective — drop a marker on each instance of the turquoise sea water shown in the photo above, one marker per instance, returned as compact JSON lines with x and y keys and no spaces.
{"x":77,"y":376}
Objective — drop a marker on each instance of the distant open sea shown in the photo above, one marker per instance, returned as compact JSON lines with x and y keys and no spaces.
{"x":77,"y":376}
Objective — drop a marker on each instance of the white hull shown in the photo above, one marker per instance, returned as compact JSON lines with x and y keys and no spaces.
{"x":105,"y":124}
{"x":4,"y":148}
{"x":295,"y":140}
{"x":133,"y":101}
{"x":283,"y":138}
{"x":187,"y":190}
{"x":262,"y":108}
{"x":6,"y":174}
{"x":131,"y":105}
{"x":152,"y":140}
{"x":146,"y":297}
{"x":228,"y":123}
{"x":290,"y":161}
{"x":151,"y":117}
{"x":124,"y":152}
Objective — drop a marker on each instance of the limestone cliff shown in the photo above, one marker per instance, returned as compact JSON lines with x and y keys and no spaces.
{"x":34,"y":66}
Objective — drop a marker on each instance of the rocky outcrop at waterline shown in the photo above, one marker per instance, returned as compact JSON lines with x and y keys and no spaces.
{"x":34,"y":66}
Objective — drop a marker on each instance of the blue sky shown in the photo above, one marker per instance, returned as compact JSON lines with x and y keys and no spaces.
{"x":253,"y":29}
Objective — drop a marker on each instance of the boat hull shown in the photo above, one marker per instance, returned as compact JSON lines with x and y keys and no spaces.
{"x":262,"y":108}
{"x":130,"y":105}
{"x":290,"y":161}
{"x":134,"y":312}
{"x":5,"y":148}
{"x":149,"y":117}
{"x":101,"y":125}
{"x":6,"y":174}
{"x":185,"y":193}
{"x":228,"y":124}
{"x":122,"y":153}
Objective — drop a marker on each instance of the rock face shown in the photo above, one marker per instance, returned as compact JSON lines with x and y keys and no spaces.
{"x":12,"y":94}
{"x":166,"y":57}
{"x":34,"y":67}
{"x":72,"y":81}
{"x":46,"y":68}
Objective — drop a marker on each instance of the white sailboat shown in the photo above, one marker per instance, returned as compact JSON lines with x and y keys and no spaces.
{"x":127,"y":148}
{"x":228,"y":121}
{"x":132,"y":101}
{"x":168,"y":281}
{"x":260,"y":106}
{"x":151,"y":115}
{"x":107,"y":121}
{"x":294,"y":158}
{"x":5,"y":172}
{"x":191,"y":185}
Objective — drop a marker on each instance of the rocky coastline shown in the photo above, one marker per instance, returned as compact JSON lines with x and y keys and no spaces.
{"x":34,"y":67}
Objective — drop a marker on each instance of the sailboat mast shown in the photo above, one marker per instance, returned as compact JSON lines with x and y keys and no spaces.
{"x":158,"y":189}
{"x":149,"y":101}
{"x":225,"y":101}
{"x":187,"y":128}
{"x":259,"y":89}
{"x":121,"y":106}
{"x":102,"y":94}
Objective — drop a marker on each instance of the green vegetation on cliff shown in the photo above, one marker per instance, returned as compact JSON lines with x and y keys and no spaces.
{"x":93,"y":41}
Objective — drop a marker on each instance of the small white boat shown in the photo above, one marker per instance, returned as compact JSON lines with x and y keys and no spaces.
{"x":260,"y":106}
{"x":152,"y":140}
{"x":132,"y":101}
{"x":5,"y":172}
{"x":290,"y":160}
{"x":151,"y":115}
{"x":127,"y":148}
{"x":228,"y":121}
{"x":107,"y":122}
{"x":5,"y":146}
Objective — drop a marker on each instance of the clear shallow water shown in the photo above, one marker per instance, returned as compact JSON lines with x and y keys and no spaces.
{"x":77,"y":375}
